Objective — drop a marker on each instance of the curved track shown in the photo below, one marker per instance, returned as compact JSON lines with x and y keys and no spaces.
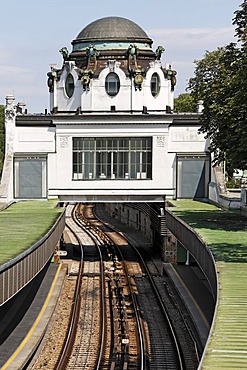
{"x":118,"y":318}
{"x":161,"y":343}
{"x":124,"y":347}
{"x":103,"y":332}
{"x":84,"y":344}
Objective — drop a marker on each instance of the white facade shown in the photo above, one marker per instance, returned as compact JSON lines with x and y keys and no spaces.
{"x":128,"y":99}
{"x":111,"y":134}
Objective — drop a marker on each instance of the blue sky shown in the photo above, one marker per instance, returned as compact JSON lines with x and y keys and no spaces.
{"x":32,"y":32}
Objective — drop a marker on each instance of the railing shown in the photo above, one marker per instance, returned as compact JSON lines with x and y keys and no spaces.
{"x":196,"y":246}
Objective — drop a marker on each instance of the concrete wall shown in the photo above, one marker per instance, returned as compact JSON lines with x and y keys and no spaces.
{"x":132,"y":217}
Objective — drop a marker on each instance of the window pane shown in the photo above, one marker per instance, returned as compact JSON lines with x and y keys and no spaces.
{"x":155,"y":84}
{"x":112,"y":84}
{"x":112,"y":158}
{"x":69,"y":85}
{"x":89,"y":165}
{"x":77,"y":143}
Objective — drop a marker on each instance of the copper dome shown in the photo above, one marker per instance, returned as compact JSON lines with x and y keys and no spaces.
{"x":113,"y":29}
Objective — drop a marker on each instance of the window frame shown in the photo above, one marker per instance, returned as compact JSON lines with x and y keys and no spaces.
{"x":112,"y":87}
{"x":112,"y":158}
{"x":155,"y":84}
{"x":69,"y":86}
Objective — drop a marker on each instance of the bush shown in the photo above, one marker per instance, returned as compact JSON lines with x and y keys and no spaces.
{"x":233,"y":183}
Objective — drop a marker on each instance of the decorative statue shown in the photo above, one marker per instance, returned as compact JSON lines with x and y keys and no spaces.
{"x":50,"y":83}
{"x":132,"y":54}
{"x":65,"y":53}
{"x":158,"y":52}
{"x":170,"y":75}
{"x":52,"y":76}
{"x":173,"y":80}
{"x":132,"y":50}
{"x":85,"y":77}
{"x":92,"y":53}
{"x":138,"y":75}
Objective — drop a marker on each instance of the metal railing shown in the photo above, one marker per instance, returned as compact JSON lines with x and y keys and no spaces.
{"x":196,"y":246}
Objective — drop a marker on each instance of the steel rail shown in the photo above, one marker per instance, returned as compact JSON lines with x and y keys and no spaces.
{"x":138,"y":318}
{"x":140,"y":328}
{"x":181,"y":363}
{"x":164,"y":310}
{"x":97,"y":242}
{"x":68,"y":345}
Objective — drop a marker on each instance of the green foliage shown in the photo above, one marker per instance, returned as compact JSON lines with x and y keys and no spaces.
{"x":220,"y":81}
{"x":233,"y":183}
{"x":2,"y":137}
{"x":240,"y":21}
{"x":185,"y":103}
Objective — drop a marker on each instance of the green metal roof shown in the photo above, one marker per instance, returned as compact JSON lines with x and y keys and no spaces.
{"x":227,"y":347}
{"x":225,"y":233}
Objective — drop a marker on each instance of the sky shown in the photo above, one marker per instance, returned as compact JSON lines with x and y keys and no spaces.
{"x":33,"y":31}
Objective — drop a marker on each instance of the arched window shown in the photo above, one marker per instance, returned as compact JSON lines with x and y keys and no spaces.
{"x":69,"y":85}
{"x":155,"y":84}
{"x":112,"y":84}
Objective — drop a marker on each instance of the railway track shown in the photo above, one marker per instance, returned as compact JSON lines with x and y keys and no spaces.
{"x":85,"y":335}
{"x":118,"y":319}
{"x":181,"y":326}
{"x":162,"y":346}
{"x":124,"y":347}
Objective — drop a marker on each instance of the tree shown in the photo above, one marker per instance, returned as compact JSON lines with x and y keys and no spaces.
{"x":240,"y":20}
{"x":185,"y":103}
{"x":2,"y":137}
{"x":220,"y":81}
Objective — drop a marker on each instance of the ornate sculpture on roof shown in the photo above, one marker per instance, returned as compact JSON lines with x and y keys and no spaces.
{"x":132,"y":50}
{"x":138,"y":75}
{"x":170,"y":75}
{"x":158,"y":52}
{"x":50,"y":82}
{"x":85,"y":77}
{"x":132,"y":54}
{"x":53,"y":75}
{"x":65,"y":53}
{"x":92,"y":53}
